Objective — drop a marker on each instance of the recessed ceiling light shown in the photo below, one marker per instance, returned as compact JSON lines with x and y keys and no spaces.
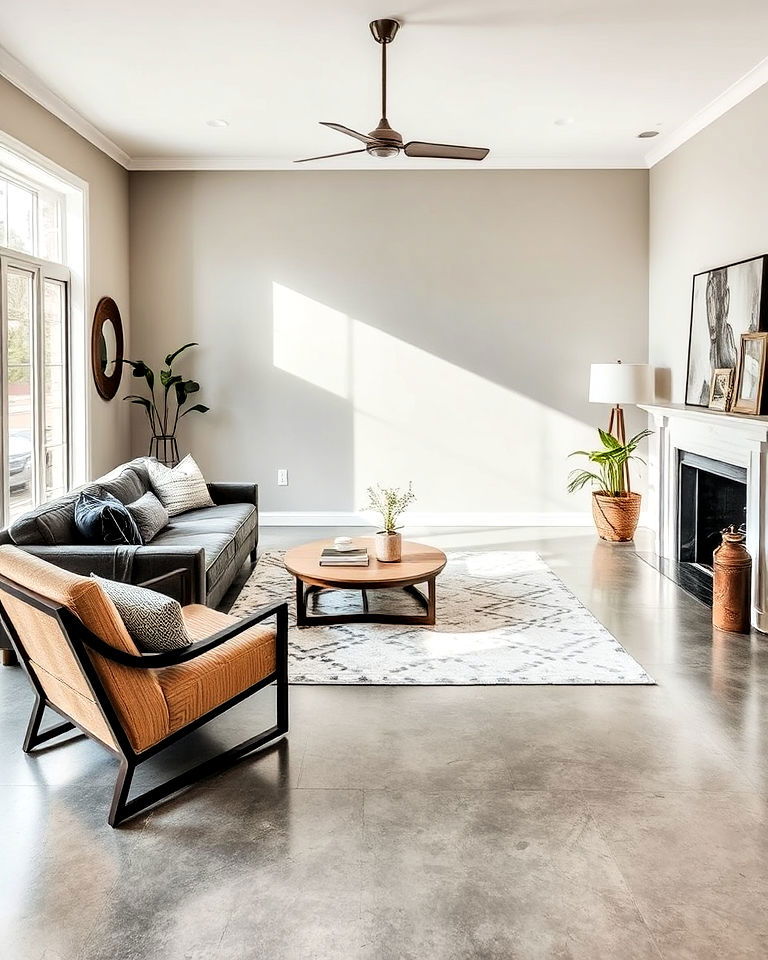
{"x":647,"y":134}
{"x":564,"y":121}
{"x":217,"y":123}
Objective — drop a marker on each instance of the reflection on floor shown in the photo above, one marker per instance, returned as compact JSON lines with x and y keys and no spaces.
{"x":493,"y":822}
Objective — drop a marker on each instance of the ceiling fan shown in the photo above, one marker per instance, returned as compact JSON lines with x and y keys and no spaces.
{"x":384,"y":141}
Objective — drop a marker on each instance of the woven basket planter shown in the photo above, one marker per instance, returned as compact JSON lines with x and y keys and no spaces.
{"x":616,"y":518}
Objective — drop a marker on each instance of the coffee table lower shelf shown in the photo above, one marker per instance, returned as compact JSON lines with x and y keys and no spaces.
{"x":307,"y":590}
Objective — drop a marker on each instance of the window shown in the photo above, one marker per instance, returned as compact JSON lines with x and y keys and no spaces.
{"x":35,"y":346}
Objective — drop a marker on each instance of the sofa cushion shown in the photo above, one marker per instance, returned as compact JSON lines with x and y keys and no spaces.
{"x":126,"y":486}
{"x":51,"y":524}
{"x":150,"y":516}
{"x":221,"y":531}
{"x":193,"y":689}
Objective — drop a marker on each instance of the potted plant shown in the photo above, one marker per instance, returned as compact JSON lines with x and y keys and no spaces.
{"x":164,"y":415}
{"x":615,"y":509}
{"x":390,"y":503}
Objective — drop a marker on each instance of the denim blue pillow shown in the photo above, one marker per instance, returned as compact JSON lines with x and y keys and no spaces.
{"x":103,"y":519}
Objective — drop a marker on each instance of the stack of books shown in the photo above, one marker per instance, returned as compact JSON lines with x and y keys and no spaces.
{"x":330,"y":557}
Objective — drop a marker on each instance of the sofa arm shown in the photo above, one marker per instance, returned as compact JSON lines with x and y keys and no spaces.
{"x":150,"y":562}
{"x":222,"y":493}
{"x":114,"y":562}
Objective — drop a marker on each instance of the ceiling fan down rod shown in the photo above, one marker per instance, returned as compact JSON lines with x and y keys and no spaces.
{"x":383,"y":82}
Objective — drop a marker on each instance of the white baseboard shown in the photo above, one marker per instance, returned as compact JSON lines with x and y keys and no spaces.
{"x":322,"y":518}
{"x":329,"y":518}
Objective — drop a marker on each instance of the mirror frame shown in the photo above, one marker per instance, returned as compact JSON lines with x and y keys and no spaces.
{"x":107,"y":386}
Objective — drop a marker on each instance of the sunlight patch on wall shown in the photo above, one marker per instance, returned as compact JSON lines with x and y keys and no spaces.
{"x":466,"y":443}
{"x":310,"y":340}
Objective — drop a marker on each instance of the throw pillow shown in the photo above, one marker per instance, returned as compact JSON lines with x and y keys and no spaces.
{"x":103,"y":519}
{"x":179,"y":488}
{"x":153,"y":620}
{"x":150,"y":515}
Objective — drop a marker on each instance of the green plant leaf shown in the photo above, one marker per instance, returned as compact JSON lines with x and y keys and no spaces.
{"x":608,"y":440}
{"x":191,"y":386}
{"x":181,"y":393}
{"x":169,"y":381}
{"x":172,"y":356}
{"x":198,"y":407}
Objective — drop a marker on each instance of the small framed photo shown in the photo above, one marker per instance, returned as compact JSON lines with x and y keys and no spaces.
{"x":721,"y":388}
{"x":750,"y":376}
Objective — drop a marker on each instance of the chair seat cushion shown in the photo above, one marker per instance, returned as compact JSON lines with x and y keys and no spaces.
{"x":193,"y":689}
{"x":220,"y":531}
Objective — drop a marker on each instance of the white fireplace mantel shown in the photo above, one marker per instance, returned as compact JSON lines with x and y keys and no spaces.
{"x":728,"y":437}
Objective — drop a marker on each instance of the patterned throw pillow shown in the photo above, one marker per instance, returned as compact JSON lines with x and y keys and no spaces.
{"x":179,"y":488}
{"x":150,"y":515}
{"x":153,"y":620}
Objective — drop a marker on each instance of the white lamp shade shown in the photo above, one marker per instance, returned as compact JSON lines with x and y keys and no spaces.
{"x":621,"y":383}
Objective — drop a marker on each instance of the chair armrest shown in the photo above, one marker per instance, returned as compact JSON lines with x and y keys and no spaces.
{"x":234,"y":493}
{"x":146,"y":563}
{"x":149,"y":661}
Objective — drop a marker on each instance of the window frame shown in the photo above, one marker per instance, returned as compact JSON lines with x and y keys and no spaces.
{"x":41,"y":270}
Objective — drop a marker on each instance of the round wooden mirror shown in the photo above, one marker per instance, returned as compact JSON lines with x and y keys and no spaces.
{"x":107,"y":348}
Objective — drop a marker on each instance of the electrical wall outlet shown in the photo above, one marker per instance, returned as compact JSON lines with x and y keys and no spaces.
{"x":282,"y":478}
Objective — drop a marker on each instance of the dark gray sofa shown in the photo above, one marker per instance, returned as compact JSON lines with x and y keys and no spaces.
{"x":211,"y":543}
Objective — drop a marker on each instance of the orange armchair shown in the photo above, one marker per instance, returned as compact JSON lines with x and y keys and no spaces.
{"x":83,"y":664}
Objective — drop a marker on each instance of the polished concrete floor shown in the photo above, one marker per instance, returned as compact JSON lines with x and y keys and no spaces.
{"x":587,"y":823}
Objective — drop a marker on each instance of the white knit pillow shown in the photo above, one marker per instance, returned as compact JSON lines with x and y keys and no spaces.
{"x":179,"y":488}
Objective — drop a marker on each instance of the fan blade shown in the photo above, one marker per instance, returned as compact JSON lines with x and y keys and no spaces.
{"x":350,"y":133}
{"x":444,"y":151}
{"x":327,"y":156}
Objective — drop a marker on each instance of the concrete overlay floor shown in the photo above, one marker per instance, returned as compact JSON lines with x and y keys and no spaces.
{"x":586,"y":823}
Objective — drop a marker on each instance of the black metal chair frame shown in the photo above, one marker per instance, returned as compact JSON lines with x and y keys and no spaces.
{"x":81,"y":641}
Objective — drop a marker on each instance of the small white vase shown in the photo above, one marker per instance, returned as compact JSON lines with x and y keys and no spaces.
{"x":388,"y":547}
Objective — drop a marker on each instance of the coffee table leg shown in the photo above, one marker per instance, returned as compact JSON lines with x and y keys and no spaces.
{"x":432,"y":603}
{"x":365,"y":600}
{"x":301,"y":604}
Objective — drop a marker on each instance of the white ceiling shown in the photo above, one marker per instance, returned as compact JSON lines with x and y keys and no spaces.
{"x":497,"y":73}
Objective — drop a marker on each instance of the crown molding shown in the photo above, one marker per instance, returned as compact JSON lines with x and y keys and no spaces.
{"x":492,"y":163}
{"x":30,"y":84}
{"x":738,"y":91}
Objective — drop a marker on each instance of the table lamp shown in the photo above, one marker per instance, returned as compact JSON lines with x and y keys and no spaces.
{"x":618,"y":383}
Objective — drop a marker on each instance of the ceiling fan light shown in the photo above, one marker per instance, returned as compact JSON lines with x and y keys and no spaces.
{"x":383,"y":150}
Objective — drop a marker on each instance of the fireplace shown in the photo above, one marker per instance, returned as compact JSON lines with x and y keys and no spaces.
{"x":709,"y":469}
{"x":712,"y":496}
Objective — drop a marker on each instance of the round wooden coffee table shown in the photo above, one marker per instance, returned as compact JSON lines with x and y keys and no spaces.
{"x":419,"y":564}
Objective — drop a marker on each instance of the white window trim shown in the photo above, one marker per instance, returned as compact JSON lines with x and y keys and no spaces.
{"x":34,"y":167}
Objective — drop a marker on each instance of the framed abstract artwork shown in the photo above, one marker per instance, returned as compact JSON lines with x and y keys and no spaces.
{"x":726,"y":302}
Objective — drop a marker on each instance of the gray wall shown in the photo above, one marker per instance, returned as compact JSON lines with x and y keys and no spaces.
{"x":708,"y":207}
{"x":360,"y":327}
{"x":30,"y":123}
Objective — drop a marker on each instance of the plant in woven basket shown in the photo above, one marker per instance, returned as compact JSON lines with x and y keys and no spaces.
{"x":390,"y":503}
{"x":615,"y":508}
{"x":164,"y":413}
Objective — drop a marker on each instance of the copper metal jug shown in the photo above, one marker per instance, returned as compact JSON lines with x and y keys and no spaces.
{"x":732,"y":587}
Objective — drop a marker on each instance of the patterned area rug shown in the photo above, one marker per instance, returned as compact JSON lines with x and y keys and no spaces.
{"x":502,"y":618}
